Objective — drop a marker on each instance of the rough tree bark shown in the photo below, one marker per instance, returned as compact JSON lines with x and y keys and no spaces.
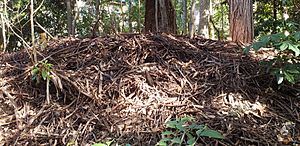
{"x":69,"y":17}
{"x":184,"y":15}
{"x":130,"y":16}
{"x":192,"y":20}
{"x":241,"y":21}
{"x":166,"y":18}
{"x":204,"y":18}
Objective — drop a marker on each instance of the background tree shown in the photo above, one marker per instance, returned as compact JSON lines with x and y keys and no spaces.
{"x":241,"y":21}
{"x":192,"y":20}
{"x":204,"y":18}
{"x":165,"y":11}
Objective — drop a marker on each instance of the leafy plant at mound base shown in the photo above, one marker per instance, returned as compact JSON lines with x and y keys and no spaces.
{"x":185,"y":131}
{"x":285,"y":65}
{"x":42,"y":70}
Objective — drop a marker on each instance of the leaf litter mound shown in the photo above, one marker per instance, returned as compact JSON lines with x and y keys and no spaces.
{"x":128,"y":86}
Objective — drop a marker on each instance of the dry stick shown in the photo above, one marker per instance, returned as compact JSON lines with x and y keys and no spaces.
{"x":74,"y":84}
{"x":11,"y":99}
{"x":39,"y":25}
{"x":3,"y":31}
{"x":32,"y":32}
{"x":47,"y":91}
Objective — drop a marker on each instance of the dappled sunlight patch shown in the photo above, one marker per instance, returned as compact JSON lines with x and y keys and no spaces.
{"x":235,"y":105}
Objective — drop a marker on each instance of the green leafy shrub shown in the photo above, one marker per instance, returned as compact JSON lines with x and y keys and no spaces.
{"x":41,"y":71}
{"x":186,"y":131}
{"x":285,"y":65}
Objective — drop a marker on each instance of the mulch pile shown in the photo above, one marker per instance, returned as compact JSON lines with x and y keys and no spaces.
{"x":126,"y":87}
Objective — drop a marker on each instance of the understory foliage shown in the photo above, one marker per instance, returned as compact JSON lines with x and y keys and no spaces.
{"x":285,"y":65}
{"x":41,"y":71}
{"x":185,"y":131}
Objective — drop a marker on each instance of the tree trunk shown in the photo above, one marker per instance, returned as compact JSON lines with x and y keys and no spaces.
{"x":130,"y":15}
{"x":192,"y":20}
{"x":241,"y":21}
{"x":139,"y":19}
{"x":184,"y":16}
{"x":204,"y":18}
{"x":162,"y":16}
{"x":32,"y":32}
{"x":3,"y":26}
{"x":70,"y":17}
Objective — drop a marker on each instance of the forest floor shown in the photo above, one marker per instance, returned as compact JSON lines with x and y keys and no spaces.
{"x":126,"y":87}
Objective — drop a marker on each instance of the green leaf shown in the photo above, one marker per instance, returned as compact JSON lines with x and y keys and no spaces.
{"x":277,"y":37}
{"x":176,"y":140}
{"x":246,"y":50}
{"x":186,"y":119}
{"x":293,"y":71}
{"x":257,"y":45}
{"x":108,"y":143}
{"x":295,"y":49}
{"x":167,"y":133}
{"x":289,"y":77}
{"x":127,"y":144}
{"x":162,"y":143}
{"x":44,"y":75}
{"x":191,"y":141}
{"x":165,"y":139}
{"x":296,"y":35}
{"x":189,"y":135}
{"x":171,"y":124}
{"x":283,"y":45}
{"x":180,"y":127}
{"x":212,"y":134}
{"x":196,"y":126}
{"x":35,"y":70}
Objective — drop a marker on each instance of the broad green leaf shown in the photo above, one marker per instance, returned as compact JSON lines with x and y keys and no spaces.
{"x":257,"y":45}
{"x":166,"y":139}
{"x":127,"y":144}
{"x":180,"y":127}
{"x":212,"y":134}
{"x":176,"y":140}
{"x":246,"y":50}
{"x":186,"y":119}
{"x":296,"y":35}
{"x":289,"y":77}
{"x":293,"y":71}
{"x":277,"y":37}
{"x":162,"y":143}
{"x":35,"y":70}
{"x":167,"y":133}
{"x":108,"y":143}
{"x":171,"y":124}
{"x":191,"y":141}
{"x":196,"y":126}
{"x":284,"y":45}
{"x":44,"y":75}
{"x":295,"y":49}
{"x":189,"y":135}
{"x":265,"y":39}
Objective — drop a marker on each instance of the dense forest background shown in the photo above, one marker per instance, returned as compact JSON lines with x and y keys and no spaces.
{"x":86,"y":18}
